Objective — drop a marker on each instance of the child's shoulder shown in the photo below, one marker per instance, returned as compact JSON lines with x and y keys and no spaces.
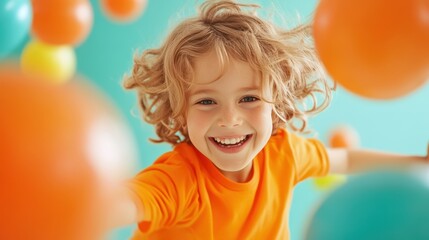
{"x":287,"y":140}
{"x":278,"y":142}
{"x":175,"y":167}
{"x":182,"y":157}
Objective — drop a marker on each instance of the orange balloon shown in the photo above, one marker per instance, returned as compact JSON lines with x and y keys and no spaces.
{"x":65,"y":22}
{"x":377,"y":49}
{"x":123,"y":10}
{"x":344,"y":137}
{"x":50,"y":172}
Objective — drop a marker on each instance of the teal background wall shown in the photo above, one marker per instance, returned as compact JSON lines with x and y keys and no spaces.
{"x":106,"y":55}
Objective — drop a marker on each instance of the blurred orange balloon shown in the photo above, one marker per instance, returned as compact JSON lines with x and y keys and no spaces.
{"x":343,"y":137}
{"x":57,"y":151}
{"x":377,"y":49}
{"x":123,"y":10}
{"x":62,"y":22}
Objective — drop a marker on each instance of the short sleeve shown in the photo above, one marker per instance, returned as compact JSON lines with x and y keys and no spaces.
{"x":309,"y":157}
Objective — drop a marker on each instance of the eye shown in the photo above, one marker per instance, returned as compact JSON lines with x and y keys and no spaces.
{"x":249,"y":99}
{"x":206,"y":102}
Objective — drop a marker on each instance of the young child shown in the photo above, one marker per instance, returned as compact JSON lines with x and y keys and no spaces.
{"x":227,"y":90}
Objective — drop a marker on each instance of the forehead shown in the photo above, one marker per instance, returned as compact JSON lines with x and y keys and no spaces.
{"x":210,"y":68}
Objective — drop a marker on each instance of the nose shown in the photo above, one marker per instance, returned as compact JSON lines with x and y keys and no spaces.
{"x":230,"y":117}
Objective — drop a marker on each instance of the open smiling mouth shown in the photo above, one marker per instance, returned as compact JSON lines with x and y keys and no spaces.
{"x":230,"y":142}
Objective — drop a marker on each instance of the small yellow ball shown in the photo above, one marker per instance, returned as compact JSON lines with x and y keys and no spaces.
{"x":56,"y":63}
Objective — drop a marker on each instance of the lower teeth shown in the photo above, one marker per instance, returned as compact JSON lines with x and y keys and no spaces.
{"x":232,"y":145}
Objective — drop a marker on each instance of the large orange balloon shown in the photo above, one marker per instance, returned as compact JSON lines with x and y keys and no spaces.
{"x":377,"y":49}
{"x":56,"y":154}
{"x":62,"y":22}
{"x":123,"y":10}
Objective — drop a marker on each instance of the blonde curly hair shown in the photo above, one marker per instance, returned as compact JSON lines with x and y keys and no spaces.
{"x":285,"y":59}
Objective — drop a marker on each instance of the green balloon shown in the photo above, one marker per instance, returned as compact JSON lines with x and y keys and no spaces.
{"x":377,"y":205}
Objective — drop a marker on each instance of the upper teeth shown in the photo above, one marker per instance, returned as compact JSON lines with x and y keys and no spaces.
{"x":229,"y":140}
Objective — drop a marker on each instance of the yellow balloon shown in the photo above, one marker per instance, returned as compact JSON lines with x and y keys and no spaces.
{"x":56,"y":63}
{"x":329,"y":182}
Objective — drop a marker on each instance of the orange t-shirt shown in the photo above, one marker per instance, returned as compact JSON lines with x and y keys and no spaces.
{"x":184,"y":196}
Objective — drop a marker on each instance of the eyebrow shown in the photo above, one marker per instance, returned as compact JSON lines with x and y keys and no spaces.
{"x":208,"y":90}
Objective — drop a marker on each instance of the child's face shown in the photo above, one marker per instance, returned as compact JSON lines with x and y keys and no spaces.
{"x":227,"y":120}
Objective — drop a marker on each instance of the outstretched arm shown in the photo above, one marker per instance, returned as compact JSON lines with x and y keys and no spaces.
{"x":344,"y":161}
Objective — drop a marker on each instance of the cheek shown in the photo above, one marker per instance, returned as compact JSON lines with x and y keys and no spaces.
{"x":261,"y":116}
{"x":197,"y":121}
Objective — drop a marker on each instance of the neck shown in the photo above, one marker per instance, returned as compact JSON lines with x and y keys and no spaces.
{"x":241,"y":176}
